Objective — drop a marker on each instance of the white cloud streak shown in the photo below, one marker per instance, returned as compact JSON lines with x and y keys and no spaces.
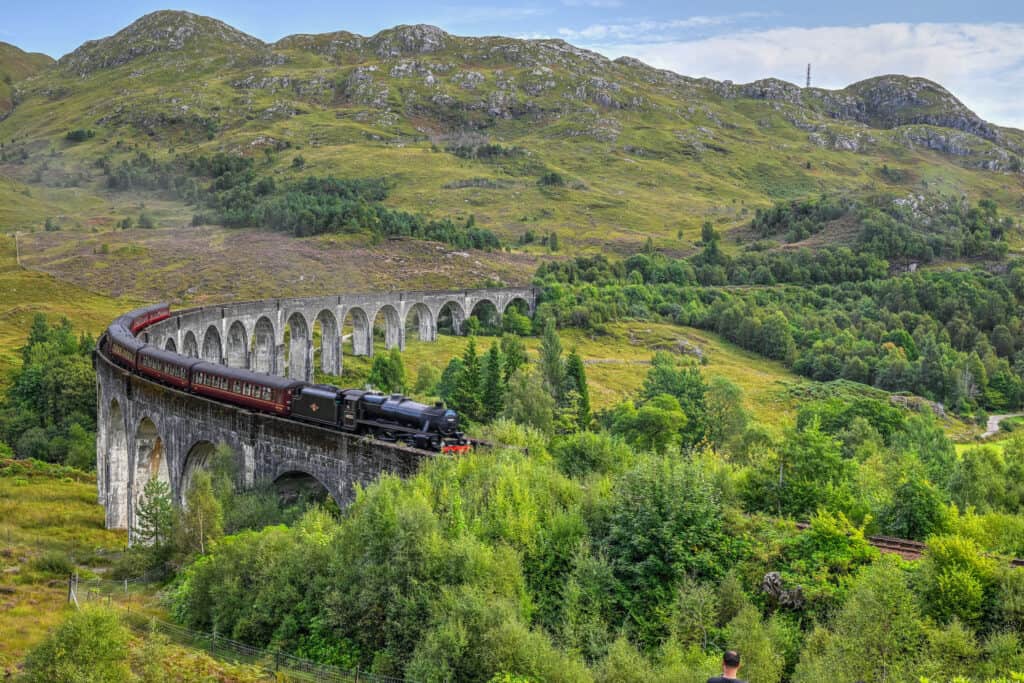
{"x":983,"y":64}
{"x":646,"y":30}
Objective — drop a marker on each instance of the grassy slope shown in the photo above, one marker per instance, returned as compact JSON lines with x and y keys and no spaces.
{"x":16,"y":65}
{"x":26,"y":293}
{"x":38,"y":516}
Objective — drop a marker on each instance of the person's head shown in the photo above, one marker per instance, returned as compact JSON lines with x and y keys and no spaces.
{"x":730,"y":662}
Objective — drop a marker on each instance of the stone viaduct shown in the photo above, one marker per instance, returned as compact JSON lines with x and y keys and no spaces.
{"x":146,"y":429}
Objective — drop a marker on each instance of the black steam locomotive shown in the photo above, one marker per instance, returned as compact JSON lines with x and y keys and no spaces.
{"x":390,"y":417}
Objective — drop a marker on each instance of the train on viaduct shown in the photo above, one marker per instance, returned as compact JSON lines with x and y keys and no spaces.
{"x":147,"y":429}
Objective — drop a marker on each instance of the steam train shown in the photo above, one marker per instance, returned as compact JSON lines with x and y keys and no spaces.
{"x":391,"y":417}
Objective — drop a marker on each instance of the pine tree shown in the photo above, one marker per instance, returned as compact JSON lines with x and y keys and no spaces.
{"x":551,"y":365}
{"x":514,"y":352}
{"x":466,"y":398}
{"x":154,"y":515}
{"x":493,"y":384}
{"x":576,"y":380}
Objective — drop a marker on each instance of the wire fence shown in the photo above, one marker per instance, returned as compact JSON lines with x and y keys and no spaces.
{"x":277,"y":664}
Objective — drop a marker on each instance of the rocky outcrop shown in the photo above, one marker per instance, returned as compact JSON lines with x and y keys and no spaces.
{"x":163,"y":31}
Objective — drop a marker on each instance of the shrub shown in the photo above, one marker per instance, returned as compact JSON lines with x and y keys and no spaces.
{"x":89,"y":646}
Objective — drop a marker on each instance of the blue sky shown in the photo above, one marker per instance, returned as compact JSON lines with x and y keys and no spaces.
{"x":976,"y":49}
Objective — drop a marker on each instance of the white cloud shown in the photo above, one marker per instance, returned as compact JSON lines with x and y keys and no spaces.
{"x":982,"y":64}
{"x":646,"y":30}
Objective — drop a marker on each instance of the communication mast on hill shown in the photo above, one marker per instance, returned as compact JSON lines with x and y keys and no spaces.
{"x":808,"y":74}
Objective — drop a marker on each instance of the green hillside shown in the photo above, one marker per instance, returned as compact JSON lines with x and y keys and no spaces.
{"x":464,"y":126}
{"x":16,"y":65}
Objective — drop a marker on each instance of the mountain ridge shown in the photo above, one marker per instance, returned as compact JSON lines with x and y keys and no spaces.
{"x":465,"y":125}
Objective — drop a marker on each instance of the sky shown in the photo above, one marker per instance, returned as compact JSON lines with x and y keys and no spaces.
{"x":975,"y":49}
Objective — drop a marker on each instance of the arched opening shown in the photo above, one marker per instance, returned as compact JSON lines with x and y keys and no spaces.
{"x":484,"y":318}
{"x":387,"y":328}
{"x":238,"y":346}
{"x":298,"y":348}
{"x":212,"y":348}
{"x":169,"y":345}
{"x":451,"y":318}
{"x":519,"y":305}
{"x":263,"y":346}
{"x":419,"y":323}
{"x":295,"y":487}
{"x":116,"y":467}
{"x":328,"y":355}
{"x":355,"y":332}
{"x":199,"y":457}
{"x":191,"y":345}
{"x":150,"y":462}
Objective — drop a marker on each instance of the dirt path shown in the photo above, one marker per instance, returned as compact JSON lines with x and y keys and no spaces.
{"x":993,"y":423}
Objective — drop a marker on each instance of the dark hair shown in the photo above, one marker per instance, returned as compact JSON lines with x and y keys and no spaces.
{"x":731,"y":658}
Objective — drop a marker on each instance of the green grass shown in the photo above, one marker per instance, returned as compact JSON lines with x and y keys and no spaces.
{"x":46,"y":523}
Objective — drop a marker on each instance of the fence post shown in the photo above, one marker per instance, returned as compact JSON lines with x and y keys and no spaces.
{"x":213,"y":641}
{"x":126,"y":586}
{"x":71,"y":578}
{"x":277,"y":660}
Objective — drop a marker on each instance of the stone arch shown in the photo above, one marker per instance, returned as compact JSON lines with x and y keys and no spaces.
{"x":420,"y":319}
{"x":361,"y":335}
{"x":264,"y":346}
{"x":300,"y":347}
{"x":237,"y":353}
{"x":213,"y":350}
{"x":451,"y":317}
{"x":390,"y":325}
{"x":330,"y":342}
{"x":292,"y":482}
{"x":198,"y":457}
{"x":191,"y":346}
{"x":169,"y":345}
{"x":150,"y":462}
{"x":488,"y":313}
{"x":517,"y":304}
{"x":117,"y":467}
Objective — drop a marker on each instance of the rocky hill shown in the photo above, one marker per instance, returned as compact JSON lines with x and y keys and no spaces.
{"x":466,"y":124}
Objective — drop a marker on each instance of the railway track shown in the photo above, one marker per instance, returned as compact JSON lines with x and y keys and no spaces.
{"x":905,"y":548}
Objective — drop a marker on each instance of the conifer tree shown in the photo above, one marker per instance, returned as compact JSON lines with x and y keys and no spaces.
{"x":154,"y":515}
{"x":493,"y":392}
{"x":514,"y":352}
{"x":576,"y":380}
{"x":466,"y":398}
{"x":551,"y":365}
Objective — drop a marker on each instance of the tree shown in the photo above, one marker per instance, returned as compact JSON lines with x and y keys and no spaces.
{"x":551,"y":366}
{"x":388,"y":371}
{"x":664,"y":523}
{"x":528,"y":401}
{"x":89,"y":646}
{"x":917,"y":511}
{"x":493,"y":390}
{"x":576,"y":380}
{"x":514,"y":352}
{"x":655,"y":426}
{"x":877,"y":636}
{"x":725,"y":416}
{"x":427,"y":379}
{"x":155,"y":516}
{"x":202,"y":519}
{"x":466,"y":397}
